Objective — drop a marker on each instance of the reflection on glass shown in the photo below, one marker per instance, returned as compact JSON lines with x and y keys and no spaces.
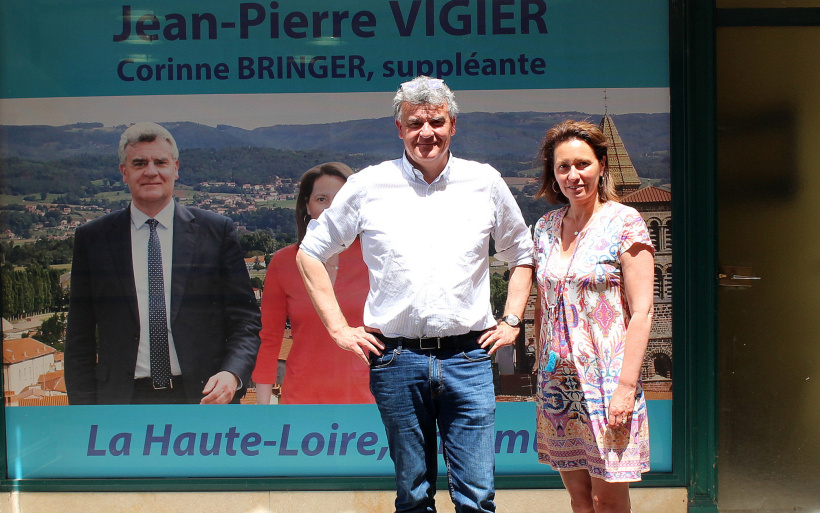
{"x":768,"y":192}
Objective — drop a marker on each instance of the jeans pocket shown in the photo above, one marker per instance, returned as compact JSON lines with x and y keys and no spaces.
{"x":476,"y":355}
{"x":385,"y":360}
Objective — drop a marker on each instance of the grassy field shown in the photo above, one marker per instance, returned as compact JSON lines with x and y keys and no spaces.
{"x":114,"y":195}
{"x":273,"y":204}
{"x":8,"y":199}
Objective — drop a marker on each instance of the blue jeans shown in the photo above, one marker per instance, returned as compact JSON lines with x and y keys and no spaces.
{"x":417,"y":389}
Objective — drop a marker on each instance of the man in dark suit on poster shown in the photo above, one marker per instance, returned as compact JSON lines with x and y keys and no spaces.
{"x":162,"y":309}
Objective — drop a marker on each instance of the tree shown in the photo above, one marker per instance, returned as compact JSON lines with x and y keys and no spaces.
{"x":53,"y":218}
{"x":258,"y":242}
{"x":44,"y":252}
{"x":52,"y":331}
{"x":36,"y":289}
{"x":19,"y":223}
{"x":498,"y":294}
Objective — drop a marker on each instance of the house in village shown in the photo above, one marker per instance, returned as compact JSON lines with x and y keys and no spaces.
{"x":32,"y":373}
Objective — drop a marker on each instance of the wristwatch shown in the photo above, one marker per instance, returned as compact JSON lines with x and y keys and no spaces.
{"x":511,"y":320}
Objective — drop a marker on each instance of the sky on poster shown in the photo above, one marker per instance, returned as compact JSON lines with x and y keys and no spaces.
{"x":257,"y":110}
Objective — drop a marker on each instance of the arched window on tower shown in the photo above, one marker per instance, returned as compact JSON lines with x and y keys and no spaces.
{"x":667,"y":235}
{"x":655,"y":233}
{"x":659,"y":282}
{"x":667,"y":282}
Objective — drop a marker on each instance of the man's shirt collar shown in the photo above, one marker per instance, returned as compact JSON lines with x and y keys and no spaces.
{"x":165,"y":216}
{"x":413,"y":173}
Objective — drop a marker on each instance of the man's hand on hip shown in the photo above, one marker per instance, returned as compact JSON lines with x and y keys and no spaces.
{"x":359,"y":341}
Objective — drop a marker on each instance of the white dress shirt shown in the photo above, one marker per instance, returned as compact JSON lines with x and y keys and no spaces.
{"x":140,"y":233}
{"x":426,"y":245}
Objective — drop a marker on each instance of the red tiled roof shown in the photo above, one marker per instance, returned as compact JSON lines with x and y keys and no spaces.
{"x":648,"y":194}
{"x":31,"y":392}
{"x":54,"y":381}
{"x":19,"y":349}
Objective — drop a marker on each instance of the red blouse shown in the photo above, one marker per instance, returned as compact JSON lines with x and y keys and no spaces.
{"x":317,"y":371}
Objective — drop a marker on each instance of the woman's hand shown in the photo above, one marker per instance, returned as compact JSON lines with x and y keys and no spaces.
{"x":621,"y":406}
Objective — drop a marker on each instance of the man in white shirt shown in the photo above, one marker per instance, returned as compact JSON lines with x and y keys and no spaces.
{"x":425,"y":222}
{"x":161,"y":309}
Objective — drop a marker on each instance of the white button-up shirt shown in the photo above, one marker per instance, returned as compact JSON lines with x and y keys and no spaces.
{"x":426,"y":245}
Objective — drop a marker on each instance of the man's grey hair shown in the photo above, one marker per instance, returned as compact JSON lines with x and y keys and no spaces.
{"x":145,"y":132}
{"x":424,"y":90}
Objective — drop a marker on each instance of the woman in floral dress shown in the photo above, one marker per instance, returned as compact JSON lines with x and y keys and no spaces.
{"x":594,"y":269}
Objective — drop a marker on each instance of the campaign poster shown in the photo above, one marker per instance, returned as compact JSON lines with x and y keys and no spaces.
{"x":255,"y":94}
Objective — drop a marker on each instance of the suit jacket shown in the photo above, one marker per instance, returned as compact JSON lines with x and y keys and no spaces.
{"x":214,"y":317}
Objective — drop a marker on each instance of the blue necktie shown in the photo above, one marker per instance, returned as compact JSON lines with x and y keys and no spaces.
{"x":157,"y":314}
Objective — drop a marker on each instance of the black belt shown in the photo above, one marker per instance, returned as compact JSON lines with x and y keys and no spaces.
{"x":429,"y":343}
{"x":176,"y":382}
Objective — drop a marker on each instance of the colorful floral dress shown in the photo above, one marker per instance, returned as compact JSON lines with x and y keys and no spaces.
{"x":584,"y":315}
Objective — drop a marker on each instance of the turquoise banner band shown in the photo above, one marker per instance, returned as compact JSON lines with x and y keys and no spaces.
{"x":147,"y":47}
{"x":248,"y":441}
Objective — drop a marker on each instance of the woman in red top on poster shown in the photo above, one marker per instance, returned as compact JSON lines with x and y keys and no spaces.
{"x":316,"y":370}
